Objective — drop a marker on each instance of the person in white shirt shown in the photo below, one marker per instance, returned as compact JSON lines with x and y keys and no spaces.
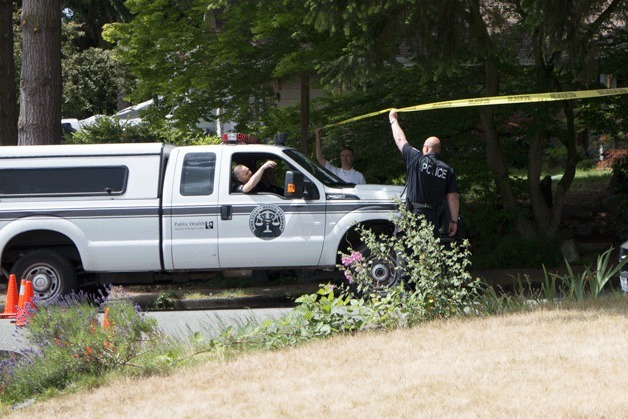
{"x":346,"y":171}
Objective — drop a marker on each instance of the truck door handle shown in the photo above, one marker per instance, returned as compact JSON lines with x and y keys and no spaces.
{"x":225,"y":212}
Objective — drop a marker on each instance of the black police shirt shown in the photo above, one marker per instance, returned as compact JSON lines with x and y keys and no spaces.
{"x":429,"y":178}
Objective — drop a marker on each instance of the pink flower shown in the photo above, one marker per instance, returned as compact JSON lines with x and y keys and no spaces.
{"x":353,"y":257}
{"x":349,"y":277}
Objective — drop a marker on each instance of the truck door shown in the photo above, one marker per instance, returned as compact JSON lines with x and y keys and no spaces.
{"x":265,"y":229}
{"x":191,"y":219}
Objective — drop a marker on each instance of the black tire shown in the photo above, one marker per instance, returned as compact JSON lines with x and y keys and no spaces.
{"x":384,"y":273}
{"x":52,"y":274}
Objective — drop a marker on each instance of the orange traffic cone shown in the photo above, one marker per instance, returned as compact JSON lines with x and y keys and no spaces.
{"x":10,"y":305}
{"x":20,"y":299}
{"x":30,"y":294}
{"x":26,"y":305}
{"x":106,"y":324}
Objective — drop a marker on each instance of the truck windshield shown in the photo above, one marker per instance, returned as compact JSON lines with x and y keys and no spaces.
{"x":320,"y":173}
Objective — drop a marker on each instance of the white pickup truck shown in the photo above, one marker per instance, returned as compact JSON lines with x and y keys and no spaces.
{"x":78,"y":216}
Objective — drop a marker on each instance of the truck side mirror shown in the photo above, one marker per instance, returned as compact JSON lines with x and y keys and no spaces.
{"x":293,"y":185}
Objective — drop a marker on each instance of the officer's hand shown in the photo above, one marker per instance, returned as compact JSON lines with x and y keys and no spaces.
{"x":393,"y":114}
{"x":453,"y":228}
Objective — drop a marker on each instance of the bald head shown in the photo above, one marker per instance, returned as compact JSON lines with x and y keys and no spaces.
{"x":242,"y":173}
{"x":431,"y":144}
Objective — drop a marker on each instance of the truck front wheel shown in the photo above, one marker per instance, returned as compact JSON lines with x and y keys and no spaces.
{"x":383,"y":271}
{"x":51,"y":274}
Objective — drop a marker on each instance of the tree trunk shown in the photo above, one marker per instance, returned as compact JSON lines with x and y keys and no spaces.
{"x":40,"y":82}
{"x":305,"y":112}
{"x":547,"y":218}
{"x":8,"y":93}
{"x":494,"y":158}
{"x":540,"y":207}
{"x":570,"y":169}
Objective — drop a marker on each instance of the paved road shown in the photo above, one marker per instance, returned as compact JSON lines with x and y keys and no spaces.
{"x":176,"y":324}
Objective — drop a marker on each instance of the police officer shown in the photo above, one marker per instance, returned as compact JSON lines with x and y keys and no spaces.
{"x":429,"y":179}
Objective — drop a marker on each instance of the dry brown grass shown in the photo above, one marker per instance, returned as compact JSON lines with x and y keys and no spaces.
{"x":548,"y":363}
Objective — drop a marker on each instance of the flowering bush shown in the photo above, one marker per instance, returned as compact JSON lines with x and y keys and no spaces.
{"x":434,"y":275}
{"x":68,"y":341}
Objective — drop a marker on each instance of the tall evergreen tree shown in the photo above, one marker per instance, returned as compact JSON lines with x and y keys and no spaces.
{"x":8,"y":92}
{"x":40,"y":81}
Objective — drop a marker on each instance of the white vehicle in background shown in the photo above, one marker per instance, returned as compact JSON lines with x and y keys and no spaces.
{"x":78,"y":216}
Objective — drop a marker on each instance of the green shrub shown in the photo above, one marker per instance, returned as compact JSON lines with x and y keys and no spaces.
{"x":436,"y":275}
{"x":589,"y":283}
{"x":110,"y":130}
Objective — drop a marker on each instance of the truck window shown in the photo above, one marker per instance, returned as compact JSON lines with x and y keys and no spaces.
{"x":63,"y":181}
{"x":197,"y":177}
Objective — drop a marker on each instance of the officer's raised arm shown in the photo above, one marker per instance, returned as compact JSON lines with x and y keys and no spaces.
{"x":398,"y":135}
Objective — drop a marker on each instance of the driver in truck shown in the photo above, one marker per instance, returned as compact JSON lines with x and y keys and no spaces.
{"x":247,"y":179}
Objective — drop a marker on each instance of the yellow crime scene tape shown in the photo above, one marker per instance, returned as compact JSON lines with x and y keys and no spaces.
{"x":496,"y":100}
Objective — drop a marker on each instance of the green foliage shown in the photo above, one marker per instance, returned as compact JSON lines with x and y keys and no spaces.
{"x":92,"y":83}
{"x":494,"y":301}
{"x":318,"y":315}
{"x":69,"y":343}
{"x":589,"y":283}
{"x":165,"y":301}
{"x":110,"y":130}
{"x":601,"y":117}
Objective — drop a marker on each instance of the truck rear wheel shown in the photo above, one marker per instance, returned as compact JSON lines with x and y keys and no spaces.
{"x":51,"y":274}
{"x":384,"y":272}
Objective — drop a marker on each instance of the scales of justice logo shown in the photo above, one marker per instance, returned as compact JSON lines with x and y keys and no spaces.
{"x":267,"y":222}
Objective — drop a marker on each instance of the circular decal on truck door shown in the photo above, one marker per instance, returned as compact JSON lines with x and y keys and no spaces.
{"x":267,"y":222}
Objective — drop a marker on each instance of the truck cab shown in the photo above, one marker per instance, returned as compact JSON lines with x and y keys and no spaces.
{"x":300,"y":224}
